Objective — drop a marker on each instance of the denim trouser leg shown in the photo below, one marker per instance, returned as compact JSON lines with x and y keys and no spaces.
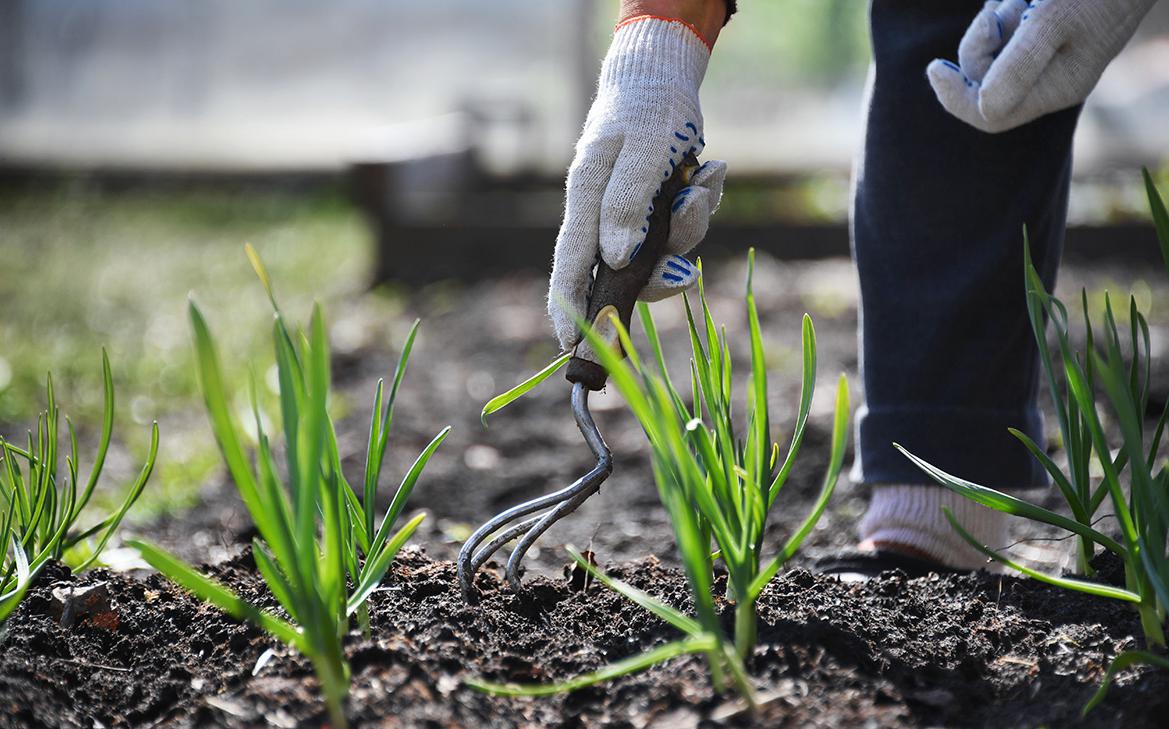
{"x":947,"y":355}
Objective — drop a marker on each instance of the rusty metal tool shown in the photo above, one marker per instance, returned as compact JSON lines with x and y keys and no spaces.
{"x":614,"y":291}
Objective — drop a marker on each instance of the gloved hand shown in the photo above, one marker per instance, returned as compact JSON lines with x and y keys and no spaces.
{"x":1020,"y":60}
{"x":644,"y":119}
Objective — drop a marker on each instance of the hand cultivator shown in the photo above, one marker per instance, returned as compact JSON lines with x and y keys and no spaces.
{"x":614,"y":292}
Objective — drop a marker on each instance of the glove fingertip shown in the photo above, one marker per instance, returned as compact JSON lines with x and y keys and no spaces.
{"x":711,"y":174}
{"x":619,"y":248}
{"x":622,"y":234}
{"x":566,"y":302}
{"x":947,"y":79}
{"x":690,"y":219}
{"x":672,"y":275}
{"x":993,"y":104}
{"x":942,"y":68}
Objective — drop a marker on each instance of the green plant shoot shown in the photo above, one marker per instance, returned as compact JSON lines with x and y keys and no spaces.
{"x":42,"y":505}
{"x":320,"y":549}
{"x":499,"y":402}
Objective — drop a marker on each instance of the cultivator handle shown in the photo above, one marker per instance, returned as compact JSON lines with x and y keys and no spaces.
{"x":617,"y":290}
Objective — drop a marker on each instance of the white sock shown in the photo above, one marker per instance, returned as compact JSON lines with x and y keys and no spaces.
{"x":912,"y":515}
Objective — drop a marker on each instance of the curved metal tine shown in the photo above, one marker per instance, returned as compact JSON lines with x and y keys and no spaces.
{"x":468,"y":565}
{"x":585,"y":487}
{"x":485,"y":552}
{"x":589,"y":487}
{"x":471,"y":556}
{"x":584,"y":422}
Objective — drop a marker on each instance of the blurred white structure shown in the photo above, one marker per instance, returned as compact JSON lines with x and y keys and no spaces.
{"x":278,"y":84}
{"x":305,"y":85}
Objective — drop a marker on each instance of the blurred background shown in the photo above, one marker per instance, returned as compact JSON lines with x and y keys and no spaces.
{"x":278,"y":85}
{"x":401,"y":159}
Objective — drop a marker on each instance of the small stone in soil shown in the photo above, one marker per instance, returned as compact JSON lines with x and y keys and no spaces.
{"x":92,"y":602}
{"x":579,"y":579}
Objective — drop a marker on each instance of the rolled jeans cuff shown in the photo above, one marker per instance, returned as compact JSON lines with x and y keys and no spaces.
{"x":971,"y":444}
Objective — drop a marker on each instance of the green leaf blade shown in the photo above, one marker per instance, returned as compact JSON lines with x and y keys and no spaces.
{"x":633,"y":664}
{"x":499,"y":402}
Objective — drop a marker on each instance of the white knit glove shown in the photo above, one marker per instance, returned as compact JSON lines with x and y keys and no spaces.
{"x":644,"y":119}
{"x":1020,"y":60}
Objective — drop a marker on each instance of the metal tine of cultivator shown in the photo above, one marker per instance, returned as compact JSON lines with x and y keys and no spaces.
{"x":558,"y":504}
{"x":578,"y":492}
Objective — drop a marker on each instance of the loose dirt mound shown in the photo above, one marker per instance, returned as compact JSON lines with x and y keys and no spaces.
{"x":977,"y":650}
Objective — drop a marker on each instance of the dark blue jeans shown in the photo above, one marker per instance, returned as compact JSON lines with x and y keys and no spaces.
{"x":947,"y":354}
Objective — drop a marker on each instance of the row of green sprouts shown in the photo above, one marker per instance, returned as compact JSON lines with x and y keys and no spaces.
{"x":323,"y":548}
{"x":43,"y":505}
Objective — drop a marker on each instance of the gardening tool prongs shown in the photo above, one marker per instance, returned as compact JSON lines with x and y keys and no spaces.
{"x":614,"y":293}
{"x":554,"y":506}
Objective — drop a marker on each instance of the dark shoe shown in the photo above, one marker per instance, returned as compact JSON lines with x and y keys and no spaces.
{"x":857,"y":566}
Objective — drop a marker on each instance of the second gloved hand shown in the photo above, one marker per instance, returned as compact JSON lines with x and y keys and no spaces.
{"x":644,"y":120}
{"x":1021,"y":60}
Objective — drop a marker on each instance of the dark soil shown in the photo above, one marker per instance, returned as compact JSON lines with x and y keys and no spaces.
{"x":976,"y":650}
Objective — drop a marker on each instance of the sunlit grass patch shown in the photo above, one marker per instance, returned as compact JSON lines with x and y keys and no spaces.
{"x":87,"y":267}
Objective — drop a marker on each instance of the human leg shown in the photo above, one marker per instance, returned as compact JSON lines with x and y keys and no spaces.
{"x":947,"y":355}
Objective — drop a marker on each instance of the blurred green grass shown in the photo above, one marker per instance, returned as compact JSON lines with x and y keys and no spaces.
{"x":82,"y":267}
{"x":795,"y":43}
{"x":789,"y":44}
